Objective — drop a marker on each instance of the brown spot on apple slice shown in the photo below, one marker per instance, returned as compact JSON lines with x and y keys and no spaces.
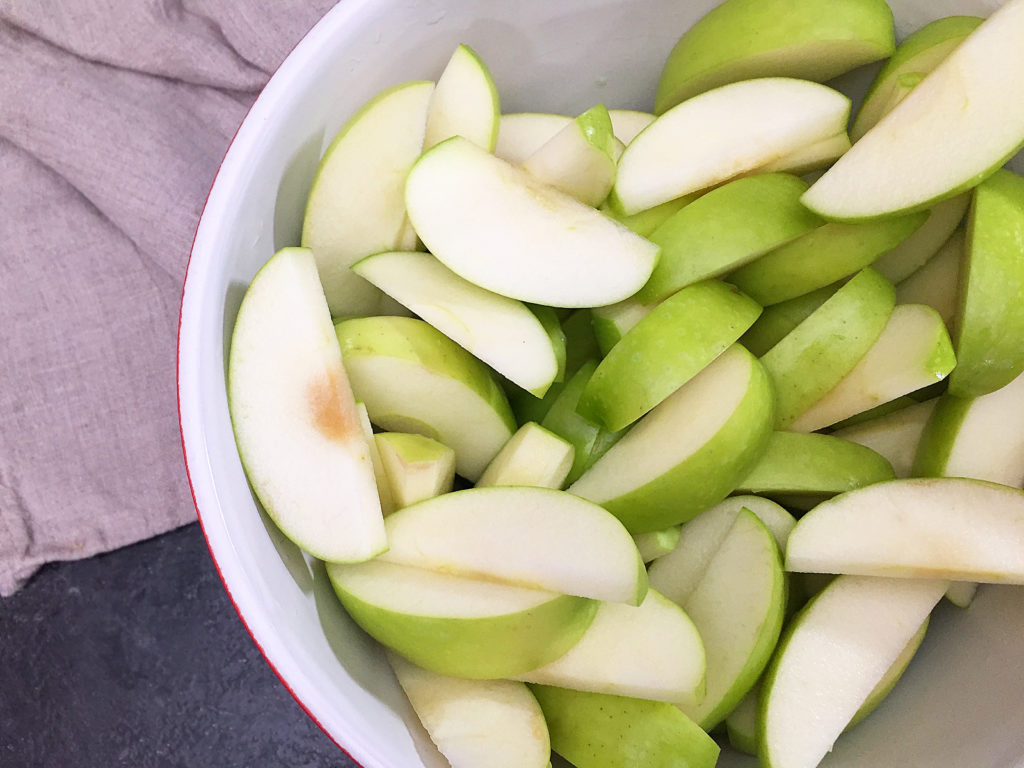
{"x":332,"y":415}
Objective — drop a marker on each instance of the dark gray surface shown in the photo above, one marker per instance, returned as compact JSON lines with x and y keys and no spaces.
{"x":137,"y":658}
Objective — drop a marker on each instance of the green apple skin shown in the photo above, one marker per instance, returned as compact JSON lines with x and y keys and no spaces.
{"x":744,"y":39}
{"x":415,"y":354}
{"x":599,"y":730}
{"x":356,"y":204}
{"x":646,"y":222}
{"x":465,"y":102}
{"x":655,"y":544}
{"x":649,"y":488}
{"x":895,"y":435}
{"x":777,"y":320}
{"x":795,"y":463}
{"x":891,"y":677}
{"x":580,"y":342}
{"x":917,"y":55}
{"x":726,"y":228}
{"x":798,"y":268}
{"x":922,"y":246}
{"x":814,"y":356}
{"x":742,"y":723}
{"x":665,"y":350}
{"x":961,"y":593}
{"x":445,"y":626}
{"x":990,"y":323}
{"x":614,"y":321}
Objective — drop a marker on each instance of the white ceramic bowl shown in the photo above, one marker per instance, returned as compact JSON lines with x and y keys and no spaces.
{"x":962,"y":701}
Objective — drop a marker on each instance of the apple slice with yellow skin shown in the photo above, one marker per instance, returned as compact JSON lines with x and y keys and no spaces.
{"x":892,"y":435}
{"x":778,"y":320}
{"x":651,"y":651}
{"x":464,"y":103}
{"x":724,"y":133}
{"x":458,"y":626}
{"x":535,"y":538}
{"x":990,"y":320}
{"x":416,"y":467}
{"x":413,"y":378}
{"x":913,"y":352}
{"x":918,"y":249}
{"x":294,"y":416}
{"x":533,"y":456}
{"x":945,"y":528}
{"x":496,"y":723}
{"x":356,"y":205}
{"x":520,"y":134}
{"x":743,"y":39}
{"x":690,"y":451}
{"x":935,"y":284}
{"x":914,"y":58}
{"x":960,"y":124}
{"x":502,"y":229}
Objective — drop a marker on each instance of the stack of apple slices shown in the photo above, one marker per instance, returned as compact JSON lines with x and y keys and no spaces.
{"x":645,"y":339}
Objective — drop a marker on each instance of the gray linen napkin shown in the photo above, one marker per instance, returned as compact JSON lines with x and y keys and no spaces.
{"x":114,"y":115}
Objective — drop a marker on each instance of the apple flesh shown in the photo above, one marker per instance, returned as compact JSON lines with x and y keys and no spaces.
{"x":627,"y":123}
{"x":520,"y":134}
{"x":935,"y":284}
{"x":891,"y":676}
{"x":893,"y":435}
{"x":464,"y":103}
{"x":384,"y":494}
{"x":534,"y":456}
{"x":918,"y":249}
{"x":294,"y":416}
{"x":813,"y":157}
{"x":655,"y":544}
{"x":416,"y":467}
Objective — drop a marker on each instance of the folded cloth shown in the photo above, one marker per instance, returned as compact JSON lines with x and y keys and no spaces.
{"x":113,"y":119}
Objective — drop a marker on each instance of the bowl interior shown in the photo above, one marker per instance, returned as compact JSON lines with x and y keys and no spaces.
{"x":959,"y":703}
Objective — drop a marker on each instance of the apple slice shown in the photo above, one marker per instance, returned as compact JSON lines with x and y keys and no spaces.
{"x":294,"y":416}
{"x":961,"y":593}
{"x":892,"y":675}
{"x":990,"y":322}
{"x":935,"y":284}
{"x":652,"y":651}
{"x":811,"y":359}
{"x":457,"y":626}
{"x":534,"y":538}
{"x":665,"y":350}
{"x":465,"y":102}
{"x":580,"y":159}
{"x":598,"y":730}
{"x":655,"y":544}
{"x":416,"y":467}
{"x":798,"y":464}
{"x":614,"y":321}
{"x":798,"y":267}
{"x":892,"y":435}
{"x":979,"y":437}
{"x":915,"y":57}
{"x":645,"y":222}
{"x":952,"y":131}
{"x":690,"y":451}
{"x":387,"y":499}
{"x":627,"y":123}
{"x":778,"y":320}
{"x":726,"y":228}
{"x":832,"y":656}
{"x":947,"y":528}
{"x":913,"y":351}
{"x":502,"y":332}
{"x":724,"y":133}
{"x":533,"y":456}
{"x":520,"y":134}
{"x":741,"y":39}
{"x":474,"y":723}
{"x":415,"y":379}
{"x":499,"y":227}
{"x":918,"y":249}
{"x":813,"y":157}
{"x":356,"y":205}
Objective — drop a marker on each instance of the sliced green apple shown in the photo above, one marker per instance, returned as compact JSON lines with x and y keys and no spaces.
{"x":724,"y":133}
{"x":798,"y":267}
{"x":913,"y":351}
{"x":665,"y":350}
{"x":465,"y":102}
{"x":502,"y":332}
{"x":533,"y":456}
{"x":655,"y":544}
{"x":627,"y":123}
{"x":893,"y":435}
{"x":356,"y":205}
{"x":946,"y":528}
{"x":813,"y":157}
{"x":742,"y":723}
{"x":961,"y":593}
{"x":499,"y":227}
{"x":476,"y":722}
{"x":598,"y":730}
{"x":580,"y":159}
{"x":935,"y":284}
{"x":914,"y":58}
{"x":811,"y":359}
{"x":387,"y":499}
{"x":690,"y":451}
{"x":614,"y":321}
{"x":743,"y":39}
{"x":918,"y":249}
{"x":777,"y":320}
{"x":726,"y":228}
{"x":990,"y":321}
{"x":651,"y":651}
{"x":645,"y":222}
{"x":832,"y":656}
{"x":415,"y":379}
{"x":520,"y":134}
{"x":294,"y":416}
{"x":417,"y":467}
{"x":457,"y":626}
{"x":961,"y":123}
{"x":892,"y":675}
{"x":580,"y":342}
{"x":535,"y":538}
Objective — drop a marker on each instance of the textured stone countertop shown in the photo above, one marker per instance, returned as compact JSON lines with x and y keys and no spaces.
{"x":137,"y":658}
